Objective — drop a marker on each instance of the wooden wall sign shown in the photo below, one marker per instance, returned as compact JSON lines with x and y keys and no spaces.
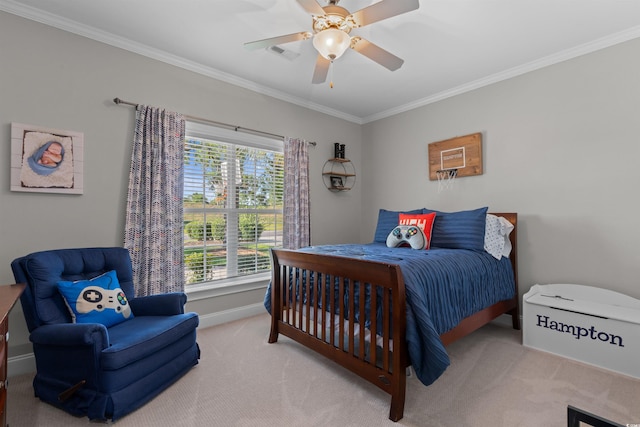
{"x":463,"y":153}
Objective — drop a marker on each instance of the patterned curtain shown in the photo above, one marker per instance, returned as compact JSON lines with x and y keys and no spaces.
{"x":297,"y":226}
{"x":153,"y":228}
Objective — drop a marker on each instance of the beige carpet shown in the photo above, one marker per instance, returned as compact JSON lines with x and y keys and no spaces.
{"x":244,"y":381}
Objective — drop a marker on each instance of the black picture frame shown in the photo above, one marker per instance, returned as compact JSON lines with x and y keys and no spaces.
{"x":336,"y":181}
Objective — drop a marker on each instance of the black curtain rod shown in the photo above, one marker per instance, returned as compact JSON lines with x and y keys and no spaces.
{"x":212,"y":122}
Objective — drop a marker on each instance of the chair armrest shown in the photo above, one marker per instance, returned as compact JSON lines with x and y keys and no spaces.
{"x":72,"y":335}
{"x":159,"y":305}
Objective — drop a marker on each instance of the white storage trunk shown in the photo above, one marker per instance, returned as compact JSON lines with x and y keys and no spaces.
{"x":585,"y":323}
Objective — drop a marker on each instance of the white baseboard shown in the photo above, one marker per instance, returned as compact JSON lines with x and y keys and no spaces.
{"x":26,"y":363}
{"x":213,"y":319}
{"x":505,"y":320}
{"x":21,"y":364}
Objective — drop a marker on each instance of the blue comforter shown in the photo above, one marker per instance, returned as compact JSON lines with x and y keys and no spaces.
{"x":443,"y":286}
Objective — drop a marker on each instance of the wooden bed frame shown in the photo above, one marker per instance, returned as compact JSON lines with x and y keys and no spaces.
{"x":298,"y":314}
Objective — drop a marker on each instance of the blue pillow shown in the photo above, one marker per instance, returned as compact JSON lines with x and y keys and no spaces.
{"x":387,"y":221}
{"x":459,"y":230}
{"x":99,"y":300}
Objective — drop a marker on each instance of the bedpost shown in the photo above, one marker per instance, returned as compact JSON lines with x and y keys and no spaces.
{"x":276,"y":309}
{"x":400,"y":349}
{"x":397,"y":400}
{"x":512,"y":217}
{"x":513,"y":257}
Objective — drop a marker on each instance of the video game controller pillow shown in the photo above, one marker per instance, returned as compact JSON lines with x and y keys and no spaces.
{"x":406,"y":235}
{"x":99,"y":300}
{"x":422,"y":221}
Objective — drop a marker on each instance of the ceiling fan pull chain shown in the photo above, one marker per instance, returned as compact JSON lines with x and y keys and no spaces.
{"x":331,"y":75}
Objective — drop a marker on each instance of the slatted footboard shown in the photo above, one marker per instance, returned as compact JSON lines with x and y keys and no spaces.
{"x":344,"y":310}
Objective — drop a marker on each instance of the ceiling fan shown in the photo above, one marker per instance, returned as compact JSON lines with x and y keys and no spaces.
{"x":331,"y":27}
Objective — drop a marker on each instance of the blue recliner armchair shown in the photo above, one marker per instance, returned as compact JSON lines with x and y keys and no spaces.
{"x":88,"y":368}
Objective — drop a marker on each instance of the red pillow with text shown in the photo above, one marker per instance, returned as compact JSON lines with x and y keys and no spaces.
{"x":423,"y":221}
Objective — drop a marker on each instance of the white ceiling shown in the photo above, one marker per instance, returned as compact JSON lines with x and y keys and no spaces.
{"x":449,"y":46}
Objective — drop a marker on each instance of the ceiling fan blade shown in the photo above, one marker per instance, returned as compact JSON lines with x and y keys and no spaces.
{"x":321,"y":70}
{"x":259,"y":44}
{"x":376,"y":53}
{"x":382,"y":10}
{"x":312,"y":6}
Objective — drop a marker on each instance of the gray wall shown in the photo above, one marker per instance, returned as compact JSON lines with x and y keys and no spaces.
{"x":560,"y":147}
{"x":59,"y":80}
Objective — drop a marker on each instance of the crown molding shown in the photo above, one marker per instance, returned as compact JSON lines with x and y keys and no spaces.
{"x":74,"y":27}
{"x":556,"y":58}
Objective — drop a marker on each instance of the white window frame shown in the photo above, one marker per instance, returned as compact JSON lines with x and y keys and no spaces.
{"x":234,"y":284}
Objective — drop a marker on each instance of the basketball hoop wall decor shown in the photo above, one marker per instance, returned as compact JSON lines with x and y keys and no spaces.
{"x":455,"y":158}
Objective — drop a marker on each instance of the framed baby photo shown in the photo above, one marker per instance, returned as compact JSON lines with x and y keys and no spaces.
{"x":46,"y":160}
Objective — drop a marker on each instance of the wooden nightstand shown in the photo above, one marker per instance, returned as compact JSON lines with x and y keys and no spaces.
{"x":9,"y":294}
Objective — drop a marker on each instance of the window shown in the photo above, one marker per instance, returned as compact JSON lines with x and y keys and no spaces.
{"x":233,"y":191}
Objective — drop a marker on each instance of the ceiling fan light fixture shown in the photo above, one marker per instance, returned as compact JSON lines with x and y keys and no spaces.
{"x":331,"y":43}
{"x":331,"y":26}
